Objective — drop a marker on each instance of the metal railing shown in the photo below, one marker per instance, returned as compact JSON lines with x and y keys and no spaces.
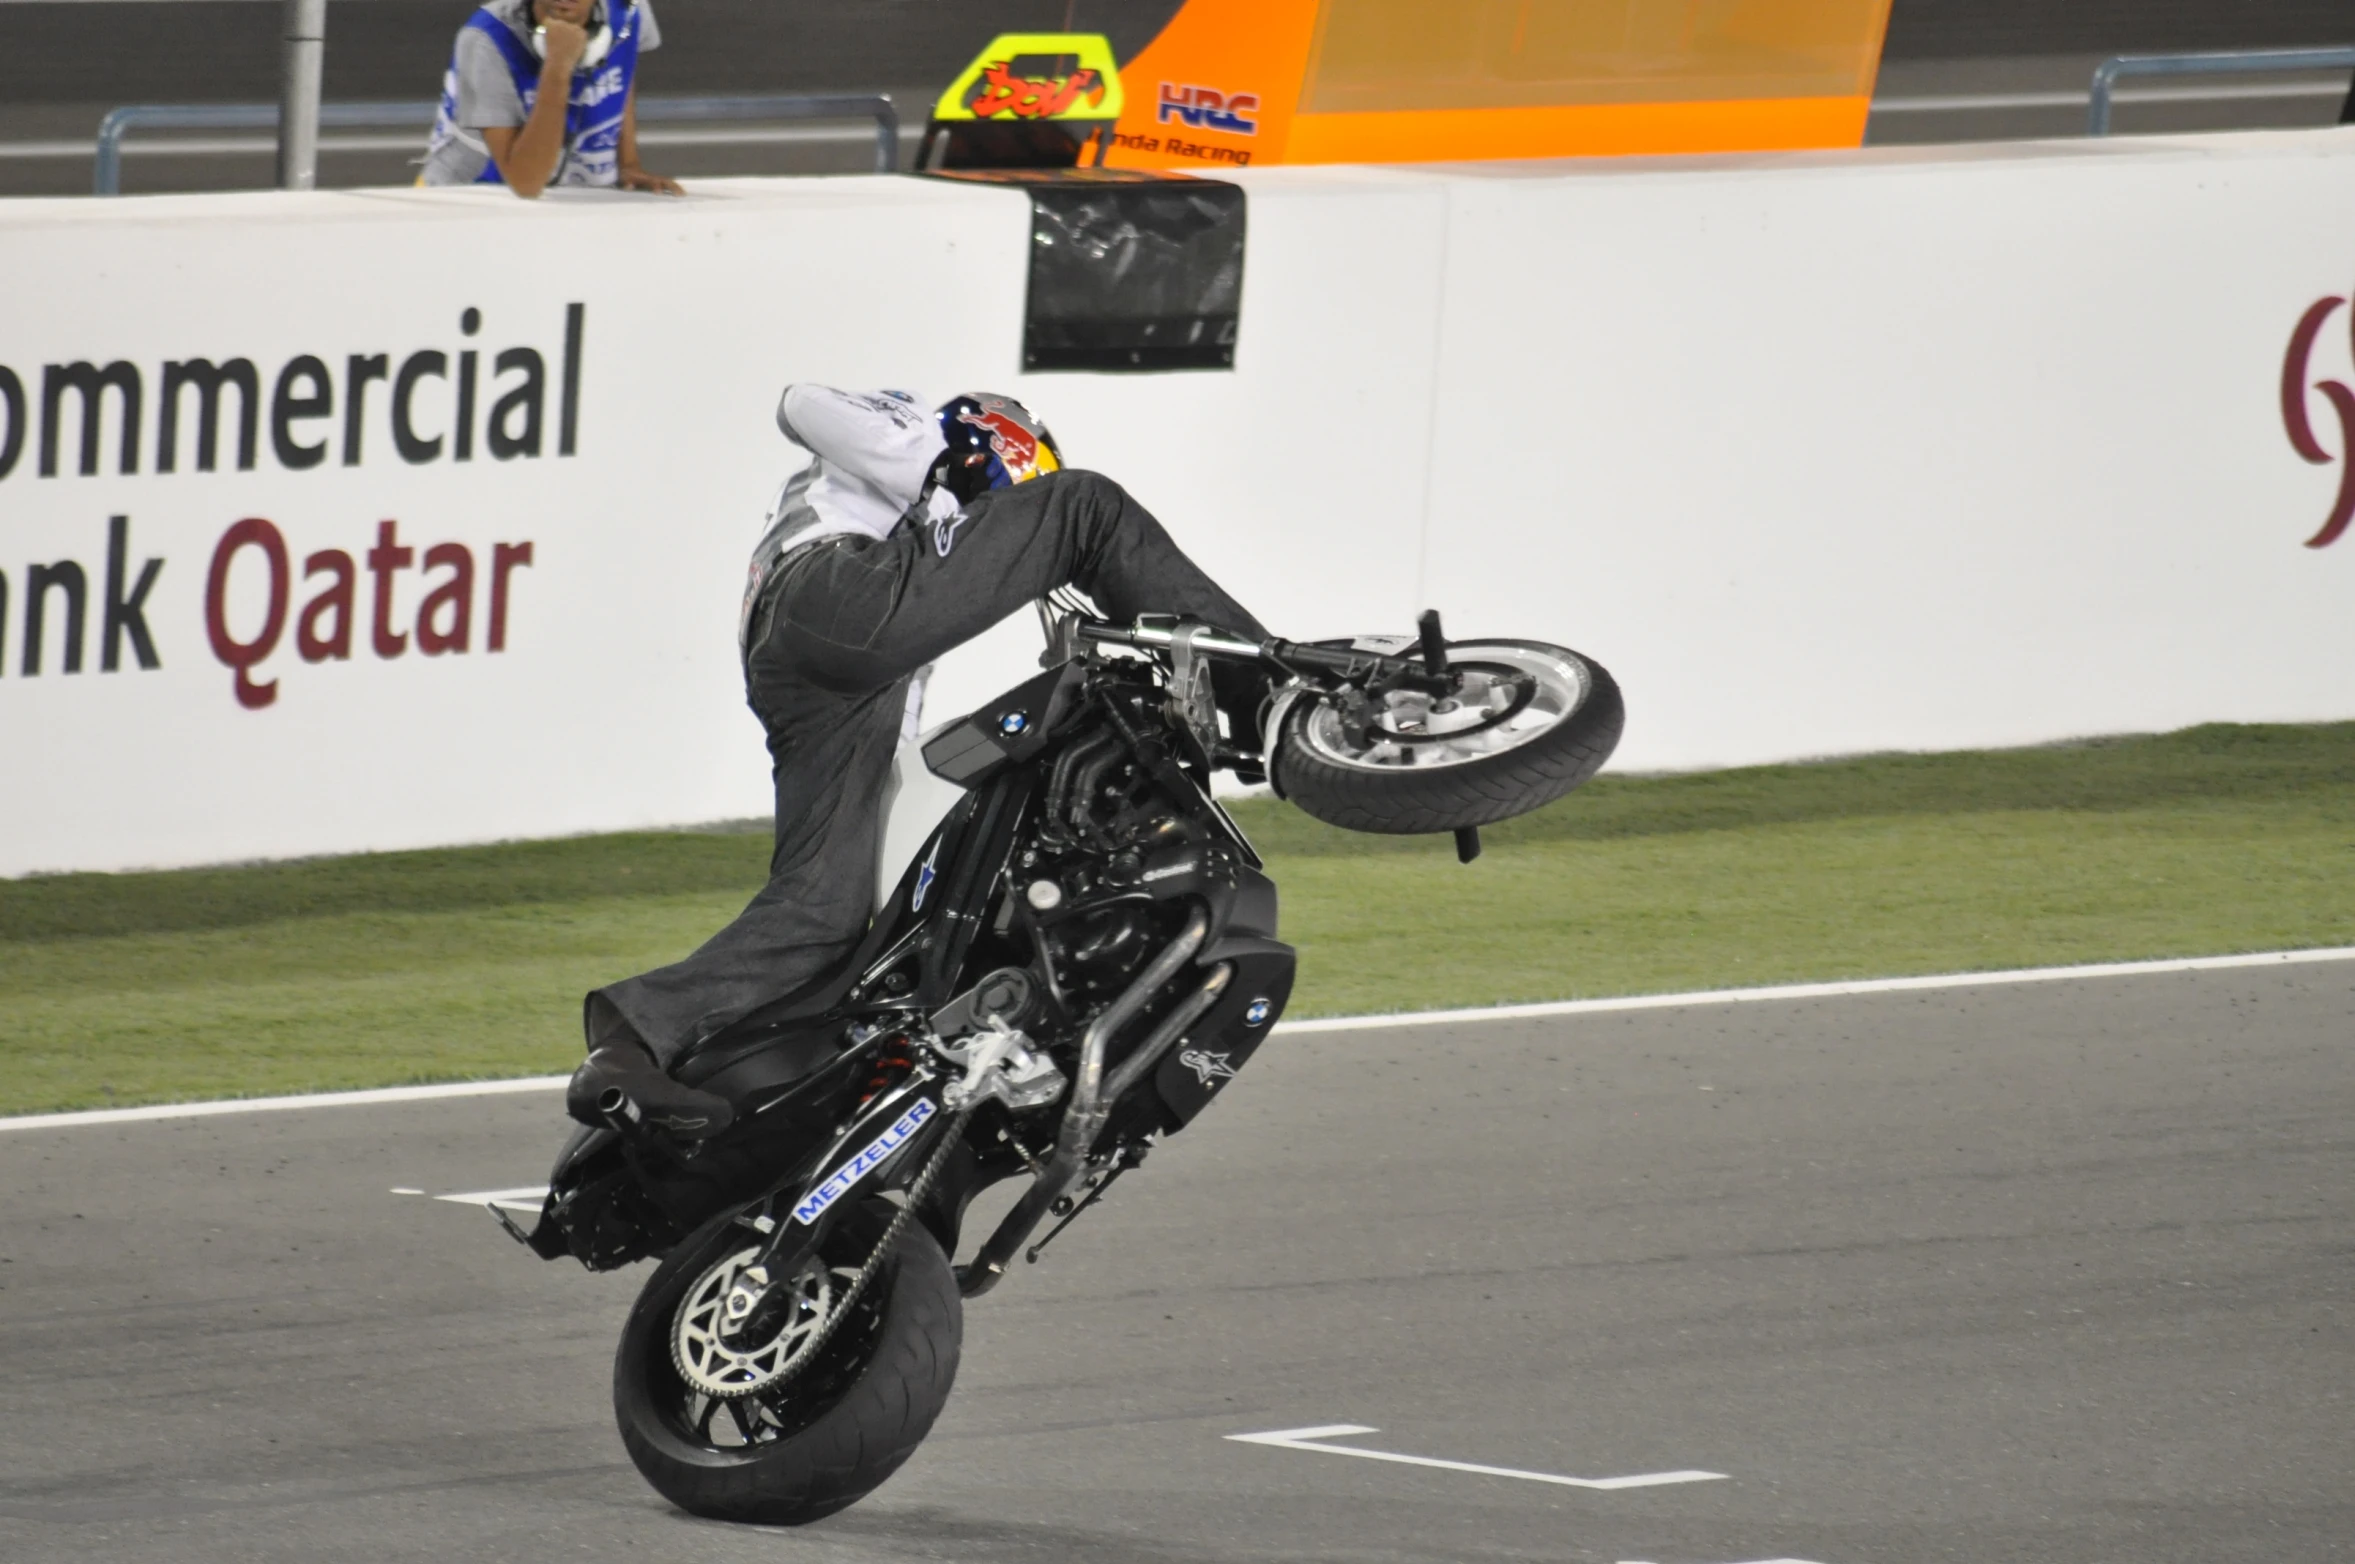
{"x":658,"y":111}
{"x":2228,"y":62}
{"x":107,"y":177}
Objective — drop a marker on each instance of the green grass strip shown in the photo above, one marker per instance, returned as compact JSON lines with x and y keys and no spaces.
{"x":400,"y":967}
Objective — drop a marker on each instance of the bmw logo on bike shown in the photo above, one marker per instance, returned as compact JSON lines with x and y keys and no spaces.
{"x":1255,"y":1014}
{"x":1013,"y":722}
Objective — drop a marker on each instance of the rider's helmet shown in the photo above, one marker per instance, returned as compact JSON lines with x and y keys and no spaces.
{"x":993,"y":441}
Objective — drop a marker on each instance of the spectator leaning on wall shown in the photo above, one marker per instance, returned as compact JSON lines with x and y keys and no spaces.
{"x":544,"y":92}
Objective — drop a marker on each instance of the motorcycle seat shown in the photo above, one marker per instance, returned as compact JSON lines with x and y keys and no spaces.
{"x":787,"y":1039}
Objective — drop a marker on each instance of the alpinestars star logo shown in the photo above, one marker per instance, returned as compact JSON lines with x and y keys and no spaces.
{"x":926,"y":873}
{"x":1208,"y":1068}
{"x":944,"y":532}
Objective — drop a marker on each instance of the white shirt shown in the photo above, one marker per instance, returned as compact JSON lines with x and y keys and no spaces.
{"x":872,"y":452}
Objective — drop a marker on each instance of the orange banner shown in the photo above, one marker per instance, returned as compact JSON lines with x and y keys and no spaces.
{"x":1236,"y":83}
{"x":1217,"y":88}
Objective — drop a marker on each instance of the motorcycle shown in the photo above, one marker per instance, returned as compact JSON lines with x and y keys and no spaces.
{"x":1080,"y":959}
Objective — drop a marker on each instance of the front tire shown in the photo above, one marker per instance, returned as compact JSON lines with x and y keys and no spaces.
{"x":827,"y":1436}
{"x":1420,"y":768}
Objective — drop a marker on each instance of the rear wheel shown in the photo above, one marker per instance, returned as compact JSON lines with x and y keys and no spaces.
{"x":1530,"y":723}
{"x":745,"y":1419}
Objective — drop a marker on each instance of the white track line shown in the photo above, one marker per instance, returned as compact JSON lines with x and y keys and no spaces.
{"x":1751,"y":996}
{"x":1311,"y":1440}
{"x":203,"y":1110}
{"x":525,"y":1197}
{"x":1564,"y":1007}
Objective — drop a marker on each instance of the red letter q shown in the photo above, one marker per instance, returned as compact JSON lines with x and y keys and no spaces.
{"x":242,"y":656}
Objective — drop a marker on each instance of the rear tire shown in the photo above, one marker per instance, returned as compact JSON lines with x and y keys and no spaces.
{"x":1410,"y":789}
{"x":832,"y":1433}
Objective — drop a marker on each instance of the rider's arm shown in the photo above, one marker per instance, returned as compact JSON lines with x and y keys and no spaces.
{"x":885,"y":440}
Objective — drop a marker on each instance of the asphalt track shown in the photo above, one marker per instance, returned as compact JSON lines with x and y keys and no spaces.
{"x":2050,"y":1272}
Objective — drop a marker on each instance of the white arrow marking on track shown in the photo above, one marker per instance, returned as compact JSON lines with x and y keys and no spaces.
{"x":527,"y":1198}
{"x":1302,"y":1439}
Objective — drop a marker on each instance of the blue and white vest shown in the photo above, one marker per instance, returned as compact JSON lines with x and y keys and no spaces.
{"x":593,"y":116}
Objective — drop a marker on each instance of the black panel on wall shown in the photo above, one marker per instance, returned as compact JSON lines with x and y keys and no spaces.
{"x":1129,"y":271}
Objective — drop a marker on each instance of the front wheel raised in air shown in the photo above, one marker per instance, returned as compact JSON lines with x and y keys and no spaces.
{"x":766,"y":1417}
{"x":1529,"y":723}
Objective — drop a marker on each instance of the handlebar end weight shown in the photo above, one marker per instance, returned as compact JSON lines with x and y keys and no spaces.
{"x":1434,"y":646}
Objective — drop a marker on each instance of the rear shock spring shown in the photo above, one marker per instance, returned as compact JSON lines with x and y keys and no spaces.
{"x":892,"y":1064}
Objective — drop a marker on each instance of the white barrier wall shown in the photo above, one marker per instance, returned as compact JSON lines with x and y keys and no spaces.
{"x":1920,"y":450}
{"x":1912,"y":448}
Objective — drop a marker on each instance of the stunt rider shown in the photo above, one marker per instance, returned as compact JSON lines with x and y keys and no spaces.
{"x":911,"y":532}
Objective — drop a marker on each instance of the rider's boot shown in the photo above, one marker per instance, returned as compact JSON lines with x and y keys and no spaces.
{"x":620,"y":1085}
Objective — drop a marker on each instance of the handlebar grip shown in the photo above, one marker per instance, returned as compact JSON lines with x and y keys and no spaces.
{"x":1434,"y":649}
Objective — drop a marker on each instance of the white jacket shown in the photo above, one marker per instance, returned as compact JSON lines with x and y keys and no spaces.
{"x":872,"y":454}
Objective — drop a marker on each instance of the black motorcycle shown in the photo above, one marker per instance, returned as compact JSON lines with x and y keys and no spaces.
{"x":1081,"y":958}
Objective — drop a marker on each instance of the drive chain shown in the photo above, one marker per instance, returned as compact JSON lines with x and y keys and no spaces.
{"x":917,"y":1192}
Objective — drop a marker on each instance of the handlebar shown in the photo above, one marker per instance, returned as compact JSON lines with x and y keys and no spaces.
{"x":1158,"y":632}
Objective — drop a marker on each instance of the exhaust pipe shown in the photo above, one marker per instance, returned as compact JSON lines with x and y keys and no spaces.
{"x":620,"y":1110}
{"x":1084,"y":1119}
{"x":1149,"y":1052}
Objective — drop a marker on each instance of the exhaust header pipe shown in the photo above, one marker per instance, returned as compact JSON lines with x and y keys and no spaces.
{"x":1090,"y":1106}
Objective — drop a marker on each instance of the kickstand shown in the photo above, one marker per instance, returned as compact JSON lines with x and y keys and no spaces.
{"x":508,"y":1222}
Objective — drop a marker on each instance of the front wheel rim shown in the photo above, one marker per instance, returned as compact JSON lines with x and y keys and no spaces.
{"x":1511,"y":695}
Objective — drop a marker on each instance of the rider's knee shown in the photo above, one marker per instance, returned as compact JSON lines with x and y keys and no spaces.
{"x":1095,"y":495}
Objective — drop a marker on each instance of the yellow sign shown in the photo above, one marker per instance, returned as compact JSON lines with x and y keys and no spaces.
{"x":1036,"y":77}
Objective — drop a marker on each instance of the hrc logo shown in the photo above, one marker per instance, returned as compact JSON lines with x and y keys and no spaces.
{"x":1206,"y":108}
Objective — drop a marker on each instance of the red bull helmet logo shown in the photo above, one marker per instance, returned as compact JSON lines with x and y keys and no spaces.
{"x":1023,"y":448}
